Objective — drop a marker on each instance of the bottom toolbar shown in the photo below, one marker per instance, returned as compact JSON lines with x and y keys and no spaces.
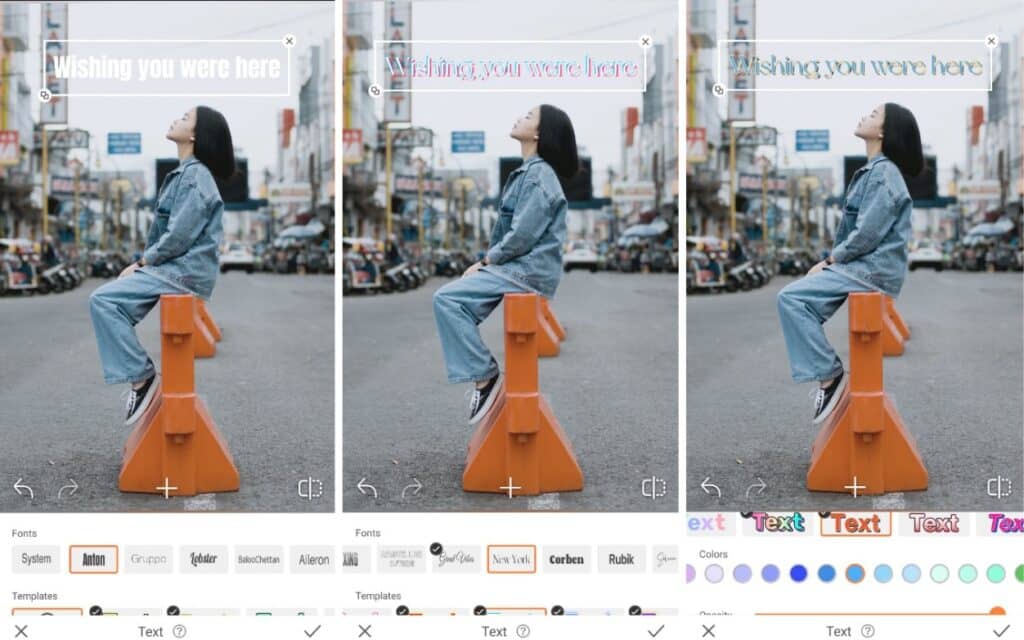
{"x":809,"y":626}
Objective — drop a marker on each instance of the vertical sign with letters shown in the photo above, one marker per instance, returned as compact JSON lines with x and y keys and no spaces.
{"x":398,"y":78}
{"x":53,"y":29}
{"x":739,"y":56}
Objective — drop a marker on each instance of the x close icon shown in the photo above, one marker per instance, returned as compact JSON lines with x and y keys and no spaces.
{"x":364,"y":632}
{"x":709,"y":632}
{"x":20,"y":631}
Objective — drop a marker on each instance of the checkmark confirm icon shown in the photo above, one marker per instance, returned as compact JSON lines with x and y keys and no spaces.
{"x":654,"y":634}
{"x":999,"y":634}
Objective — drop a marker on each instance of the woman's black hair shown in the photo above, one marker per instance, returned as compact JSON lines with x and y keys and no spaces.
{"x":213,"y":146}
{"x":556,"y":142}
{"x":901,"y":139}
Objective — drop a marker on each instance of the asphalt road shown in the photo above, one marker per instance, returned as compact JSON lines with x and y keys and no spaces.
{"x":613,"y":388}
{"x":957,"y":388}
{"x":270,"y":390}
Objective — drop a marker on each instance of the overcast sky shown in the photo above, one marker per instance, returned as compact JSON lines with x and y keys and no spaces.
{"x":941,"y":116}
{"x":252,"y":120}
{"x":595,"y":116}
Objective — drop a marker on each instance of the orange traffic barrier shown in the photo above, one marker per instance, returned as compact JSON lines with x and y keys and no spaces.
{"x":545,"y":308}
{"x":208,"y":320}
{"x":892,"y":339}
{"x":203,"y":341}
{"x":863,"y":447}
{"x":548,"y":344}
{"x":176,"y":448}
{"x":519,"y":447}
{"x":894,"y":315}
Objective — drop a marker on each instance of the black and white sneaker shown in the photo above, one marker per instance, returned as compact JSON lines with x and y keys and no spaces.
{"x":481,"y":400}
{"x":140,"y":399}
{"x":826,"y":399}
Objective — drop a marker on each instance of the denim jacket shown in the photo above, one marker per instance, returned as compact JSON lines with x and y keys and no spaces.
{"x":527,"y":239}
{"x":184,"y":240}
{"x":871,"y":241}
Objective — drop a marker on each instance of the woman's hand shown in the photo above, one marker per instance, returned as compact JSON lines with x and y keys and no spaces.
{"x":818,"y":267}
{"x":129,"y":270}
{"x":473,"y":268}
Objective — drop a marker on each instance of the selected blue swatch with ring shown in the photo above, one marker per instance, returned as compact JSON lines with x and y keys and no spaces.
{"x":798,"y":573}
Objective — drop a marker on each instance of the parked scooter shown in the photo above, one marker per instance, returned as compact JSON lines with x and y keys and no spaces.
{"x":75,"y":273}
{"x":762,"y":273}
{"x":793,"y":262}
{"x":759,"y":278}
{"x":739,"y":278}
{"x":393,"y":280}
{"x":410,"y":278}
{"x":445,"y":264}
{"x":50,"y":281}
{"x":65,"y":275}
{"x":100,"y":266}
{"x":419,"y":272}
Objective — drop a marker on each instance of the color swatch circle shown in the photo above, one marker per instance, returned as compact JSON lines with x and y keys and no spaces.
{"x":798,"y":573}
{"x":826,"y":573}
{"x":883,"y":573}
{"x":691,"y":573}
{"x":940,"y":573}
{"x":742,"y":573}
{"x":996,"y":573}
{"x":714,"y":573}
{"x":968,"y":573}
{"x":911,"y":573}
{"x":1019,"y":573}
{"x":770,"y":573}
{"x":855,"y":573}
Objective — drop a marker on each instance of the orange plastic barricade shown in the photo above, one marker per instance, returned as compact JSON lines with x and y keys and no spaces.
{"x":894,"y":315}
{"x":548,"y":344}
{"x":545,"y":308}
{"x":863,"y":447}
{"x":519,"y":447}
{"x":202,"y":339}
{"x":176,"y":448}
{"x":892,"y":339}
{"x":211,"y":324}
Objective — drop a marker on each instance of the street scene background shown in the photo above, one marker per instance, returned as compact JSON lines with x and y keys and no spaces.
{"x":762,"y":215}
{"x":419,"y":215}
{"x":73,"y":222}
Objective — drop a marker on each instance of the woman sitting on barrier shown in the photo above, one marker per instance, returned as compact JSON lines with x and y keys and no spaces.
{"x":869,"y":252}
{"x":525,"y":254}
{"x":181,"y":255}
